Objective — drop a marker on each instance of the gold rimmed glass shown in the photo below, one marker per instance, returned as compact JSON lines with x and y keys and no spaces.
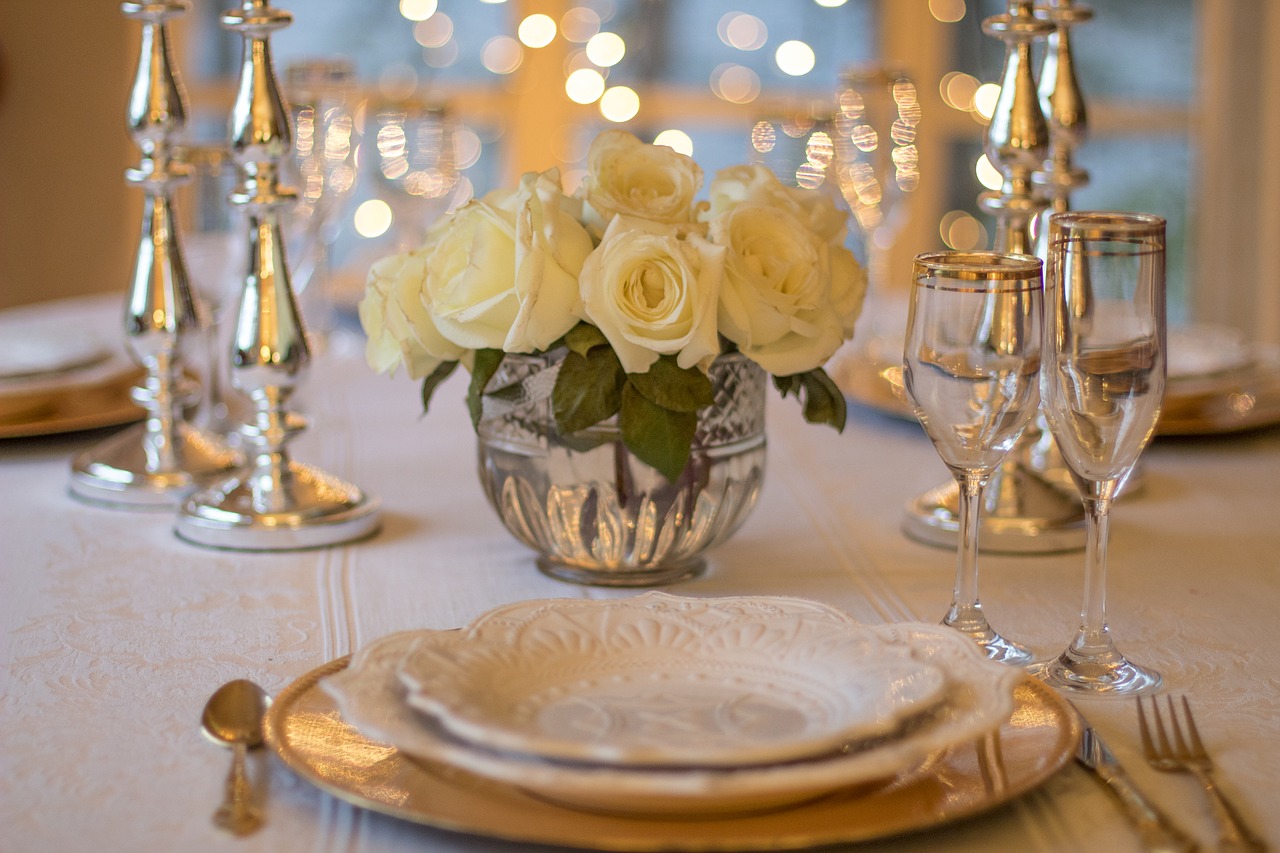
{"x":970,"y":366}
{"x":1103,"y":382}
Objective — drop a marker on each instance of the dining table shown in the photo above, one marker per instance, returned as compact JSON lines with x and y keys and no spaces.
{"x":114,"y":632}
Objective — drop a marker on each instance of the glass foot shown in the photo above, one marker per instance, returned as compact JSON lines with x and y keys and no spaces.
{"x":997,"y":647}
{"x":1108,"y":674}
{"x":622,"y":577}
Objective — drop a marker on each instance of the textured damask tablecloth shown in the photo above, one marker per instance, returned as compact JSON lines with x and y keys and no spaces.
{"x":113,"y":632}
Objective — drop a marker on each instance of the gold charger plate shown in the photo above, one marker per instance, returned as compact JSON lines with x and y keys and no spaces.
{"x":305,"y":729}
{"x":1236,"y":401}
{"x":72,"y":409}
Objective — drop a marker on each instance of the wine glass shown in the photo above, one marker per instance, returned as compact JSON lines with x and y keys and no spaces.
{"x":216,"y":253}
{"x":1103,"y":383}
{"x":970,"y":365}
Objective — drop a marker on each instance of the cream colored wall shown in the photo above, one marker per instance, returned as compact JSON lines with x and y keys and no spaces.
{"x":67,"y":218}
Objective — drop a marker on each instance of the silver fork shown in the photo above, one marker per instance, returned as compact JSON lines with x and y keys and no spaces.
{"x":1188,"y":755}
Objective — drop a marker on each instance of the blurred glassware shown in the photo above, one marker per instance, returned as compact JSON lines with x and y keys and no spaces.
{"x":417,"y":167}
{"x":215,"y":249}
{"x":409,"y":179}
{"x":877,"y":162}
{"x":326,"y":105}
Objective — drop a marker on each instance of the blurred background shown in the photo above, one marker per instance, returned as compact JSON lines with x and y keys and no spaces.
{"x":405,"y":107}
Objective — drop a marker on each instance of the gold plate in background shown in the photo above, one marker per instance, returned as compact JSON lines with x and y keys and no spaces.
{"x":1235,"y":401}
{"x":306,"y":731}
{"x":74,"y":408}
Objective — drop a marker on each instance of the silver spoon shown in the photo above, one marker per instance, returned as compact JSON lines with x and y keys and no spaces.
{"x":233,"y":717}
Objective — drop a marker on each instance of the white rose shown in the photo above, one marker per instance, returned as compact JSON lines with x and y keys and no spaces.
{"x":397,"y":323}
{"x":503,"y":274}
{"x":652,"y":290}
{"x":776,"y":300}
{"x":755,"y":184}
{"x":627,"y":177}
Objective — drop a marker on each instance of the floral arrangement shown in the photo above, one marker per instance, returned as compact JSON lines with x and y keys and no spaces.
{"x":642,"y":284}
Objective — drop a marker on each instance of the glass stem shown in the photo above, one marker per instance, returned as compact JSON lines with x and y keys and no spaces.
{"x":1094,"y":638}
{"x":966,"y":611}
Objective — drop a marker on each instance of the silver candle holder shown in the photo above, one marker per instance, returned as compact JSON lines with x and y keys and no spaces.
{"x":279,"y":504}
{"x":1031,"y":506}
{"x":159,"y":462}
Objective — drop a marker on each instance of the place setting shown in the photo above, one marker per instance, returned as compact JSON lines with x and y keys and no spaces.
{"x":667,"y":722}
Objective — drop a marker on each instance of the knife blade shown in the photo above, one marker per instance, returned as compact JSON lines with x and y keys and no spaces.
{"x":1158,"y":832}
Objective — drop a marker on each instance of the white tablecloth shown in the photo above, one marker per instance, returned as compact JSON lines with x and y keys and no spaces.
{"x":115,"y":632}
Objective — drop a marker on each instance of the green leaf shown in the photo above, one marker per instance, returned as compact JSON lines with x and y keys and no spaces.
{"x":429,"y":385}
{"x":583,"y":338}
{"x":486,"y":364}
{"x":658,"y":437}
{"x":672,"y":387}
{"x":588,"y":389}
{"x":823,"y":401}
{"x":788,"y":385}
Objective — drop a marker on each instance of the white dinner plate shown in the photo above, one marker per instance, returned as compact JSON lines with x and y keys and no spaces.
{"x":661,"y":680}
{"x":979,"y":696}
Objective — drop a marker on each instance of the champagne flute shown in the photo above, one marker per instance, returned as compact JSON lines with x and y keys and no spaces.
{"x":970,"y":365}
{"x":1102,"y":385}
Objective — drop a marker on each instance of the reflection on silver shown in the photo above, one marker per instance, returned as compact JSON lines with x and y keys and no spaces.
{"x":280,"y":504}
{"x":159,"y":462}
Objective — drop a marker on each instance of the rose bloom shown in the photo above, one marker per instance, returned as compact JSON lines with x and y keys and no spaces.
{"x":775,"y":302}
{"x":755,"y":184}
{"x":652,"y":289}
{"x":628,"y":177}
{"x":503,"y":271}
{"x":396,"y":321}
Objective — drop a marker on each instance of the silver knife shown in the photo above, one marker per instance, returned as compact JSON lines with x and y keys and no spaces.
{"x":1158,"y":832}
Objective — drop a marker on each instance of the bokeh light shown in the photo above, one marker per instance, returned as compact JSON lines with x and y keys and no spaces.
{"x":962,"y":231}
{"x":501,"y":54}
{"x":743,"y":31}
{"x":434,"y":31}
{"x":763,"y":137}
{"x":794,"y":58}
{"x":466,"y":147}
{"x":830,"y":4}
{"x":537,"y":30}
{"x":957,"y":90}
{"x":441,"y":57}
{"x":735,"y":83}
{"x":988,"y":175}
{"x":584,"y":86}
{"x":579,"y":24}
{"x":947,"y":11}
{"x":417,"y":10}
{"x":606,"y":49}
{"x":677,"y":140}
{"x":372,"y":218}
{"x":619,"y":104}
{"x":984,"y":99}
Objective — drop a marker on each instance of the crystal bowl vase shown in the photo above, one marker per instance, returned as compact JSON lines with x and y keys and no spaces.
{"x":594,"y":512}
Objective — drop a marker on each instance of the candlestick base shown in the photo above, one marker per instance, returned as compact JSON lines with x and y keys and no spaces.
{"x":122,"y":471}
{"x":1024,"y":514}
{"x":303,"y":507}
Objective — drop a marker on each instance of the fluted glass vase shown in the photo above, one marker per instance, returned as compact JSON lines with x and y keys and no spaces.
{"x":596,"y":514}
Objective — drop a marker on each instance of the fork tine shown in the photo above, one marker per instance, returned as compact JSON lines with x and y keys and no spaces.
{"x":1181,"y":744}
{"x":1144,"y":732}
{"x":1160,"y":735}
{"x":1197,"y":746}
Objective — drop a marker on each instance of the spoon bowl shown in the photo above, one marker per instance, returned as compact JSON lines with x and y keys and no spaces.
{"x":233,"y":717}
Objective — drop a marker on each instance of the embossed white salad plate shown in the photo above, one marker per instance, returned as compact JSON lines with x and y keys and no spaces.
{"x":977,"y":698}
{"x":661,"y":680}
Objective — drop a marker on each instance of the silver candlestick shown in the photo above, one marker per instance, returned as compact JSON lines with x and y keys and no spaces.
{"x":1028,"y":507}
{"x":280,"y":504}
{"x":159,"y":462}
